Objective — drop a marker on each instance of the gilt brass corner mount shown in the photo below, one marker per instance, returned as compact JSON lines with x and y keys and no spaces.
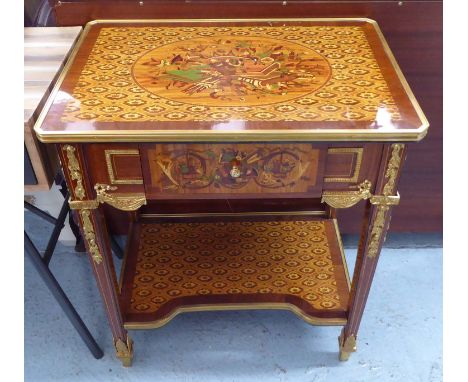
{"x":385,"y":200}
{"x":346,"y":199}
{"x":124,"y":202}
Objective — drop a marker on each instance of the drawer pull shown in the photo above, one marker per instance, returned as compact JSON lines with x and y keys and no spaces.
{"x":235,"y":172}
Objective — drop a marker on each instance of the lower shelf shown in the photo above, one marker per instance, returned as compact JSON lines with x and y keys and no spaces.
{"x":295,"y":264}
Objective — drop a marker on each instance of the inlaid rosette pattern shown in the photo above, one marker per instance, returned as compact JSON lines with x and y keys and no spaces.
{"x":253,"y":73}
{"x":237,"y":262}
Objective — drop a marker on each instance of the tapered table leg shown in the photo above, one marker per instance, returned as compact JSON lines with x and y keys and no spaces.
{"x":376,"y":223}
{"x":100,"y":254}
{"x":96,"y":238}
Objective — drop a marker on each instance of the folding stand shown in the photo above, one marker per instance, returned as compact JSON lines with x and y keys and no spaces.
{"x":41,"y":263}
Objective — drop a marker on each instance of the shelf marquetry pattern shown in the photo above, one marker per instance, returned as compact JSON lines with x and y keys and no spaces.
{"x":237,"y":260}
{"x":281,"y":73}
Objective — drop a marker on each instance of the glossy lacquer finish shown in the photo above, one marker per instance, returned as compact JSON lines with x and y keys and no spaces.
{"x":257,"y":80}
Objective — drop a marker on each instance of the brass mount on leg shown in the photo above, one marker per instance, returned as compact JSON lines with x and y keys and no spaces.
{"x":124,"y":201}
{"x":124,"y":351}
{"x":347,"y":346}
{"x":345,"y":199}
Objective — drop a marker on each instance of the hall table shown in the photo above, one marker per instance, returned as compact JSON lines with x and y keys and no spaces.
{"x":211,"y":133}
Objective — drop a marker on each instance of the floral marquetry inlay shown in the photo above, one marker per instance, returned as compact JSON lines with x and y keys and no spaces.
{"x":253,"y":168}
{"x":198,"y":73}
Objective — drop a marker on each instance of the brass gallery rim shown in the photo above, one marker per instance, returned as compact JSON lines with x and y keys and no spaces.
{"x":210,"y":81}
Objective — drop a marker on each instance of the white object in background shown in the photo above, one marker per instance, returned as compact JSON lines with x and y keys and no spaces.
{"x":51,"y":201}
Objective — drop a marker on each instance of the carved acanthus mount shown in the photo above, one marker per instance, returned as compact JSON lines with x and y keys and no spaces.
{"x":345,"y":199}
{"x":124,"y":202}
{"x":384,"y":201}
{"x":90,"y":236}
{"x":75,"y":171}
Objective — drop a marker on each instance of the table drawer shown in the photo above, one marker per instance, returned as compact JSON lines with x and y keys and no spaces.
{"x":232,"y":170}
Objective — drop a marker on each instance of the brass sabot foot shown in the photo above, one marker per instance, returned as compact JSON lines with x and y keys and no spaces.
{"x":124,"y":351}
{"x":347,"y":346}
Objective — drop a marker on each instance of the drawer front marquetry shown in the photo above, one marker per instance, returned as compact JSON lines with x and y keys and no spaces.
{"x":194,"y":170}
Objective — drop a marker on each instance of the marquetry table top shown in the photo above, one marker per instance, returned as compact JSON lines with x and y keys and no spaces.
{"x":252,"y":80}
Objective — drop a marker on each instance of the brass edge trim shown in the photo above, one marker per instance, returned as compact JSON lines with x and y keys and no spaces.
{"x":58,"y":83}
{"x":234,"y":214}
{"x":357,"y":168}
{"x":338,"y":135}
{"x":172,"y":21}
{"x":242,"y":136}
{"x":241,"y":306}
{"x":425,"y":123}
{"x":110,"y":168}
{"x":343,"y":257}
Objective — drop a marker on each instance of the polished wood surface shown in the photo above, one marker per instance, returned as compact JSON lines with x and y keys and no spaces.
{"x":270,"y":263}
{"x":45,"y":51}
{"x":250,"y":88}
{"x":413,"y":30}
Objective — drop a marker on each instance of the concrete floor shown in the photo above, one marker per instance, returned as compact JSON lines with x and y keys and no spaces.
{"x":400,"y":337}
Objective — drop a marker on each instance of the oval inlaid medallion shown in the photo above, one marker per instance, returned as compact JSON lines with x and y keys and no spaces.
{"x":231,"y":71}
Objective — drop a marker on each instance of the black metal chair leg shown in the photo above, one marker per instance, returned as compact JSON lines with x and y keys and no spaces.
{"x":56,"y":232}
{"x":61,"y":297}
{"x":79,"y":243}
{"x":40,"y":213}
{"x":116,"y":247}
